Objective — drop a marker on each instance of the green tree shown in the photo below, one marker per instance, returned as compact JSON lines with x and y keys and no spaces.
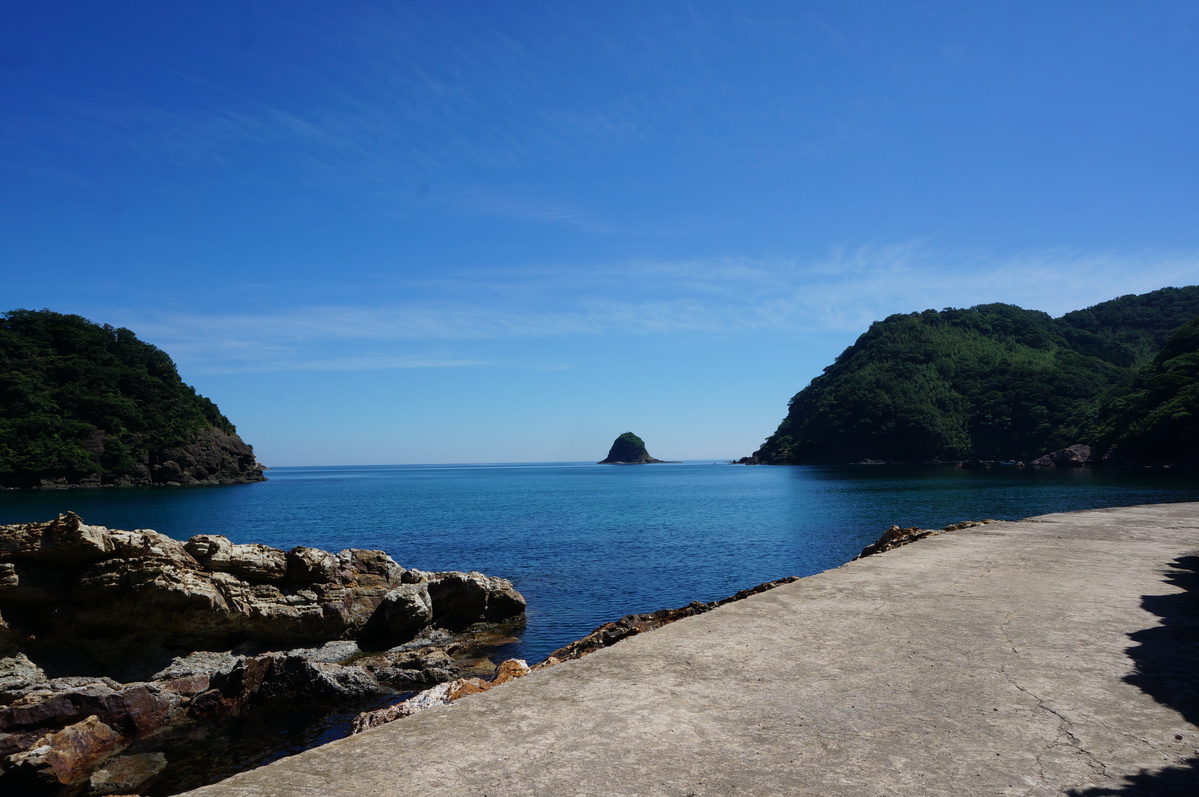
{"x":993,"y":381}
{"x":83,"y":401}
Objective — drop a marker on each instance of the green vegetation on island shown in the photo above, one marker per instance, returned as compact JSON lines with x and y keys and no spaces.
{"x":628,"y":449}
{"x":89,"y":404}
{"x":997,"y":382}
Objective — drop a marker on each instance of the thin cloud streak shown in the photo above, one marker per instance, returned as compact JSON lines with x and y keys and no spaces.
{"x":359,"y":363}
{"x":841,"y":294}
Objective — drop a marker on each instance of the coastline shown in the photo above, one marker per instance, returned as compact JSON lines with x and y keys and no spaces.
{"x":1027,"y":655}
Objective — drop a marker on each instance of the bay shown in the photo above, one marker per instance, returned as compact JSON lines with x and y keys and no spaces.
{"x":587,"y":543}
{"x":584,"y":543}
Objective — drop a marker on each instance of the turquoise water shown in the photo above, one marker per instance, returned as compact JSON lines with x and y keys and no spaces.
{"x":588,"y":543}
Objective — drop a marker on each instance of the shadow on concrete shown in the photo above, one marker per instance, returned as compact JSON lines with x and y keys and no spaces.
{"x":1166,"y":659}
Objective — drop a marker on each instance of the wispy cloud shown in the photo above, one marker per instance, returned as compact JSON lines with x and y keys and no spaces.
{"x":840,"y":294}
{"x":352,"y":363}
{"x":486,"y":201}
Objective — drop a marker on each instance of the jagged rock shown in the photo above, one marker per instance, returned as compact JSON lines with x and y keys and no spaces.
{"x":119,"y":590}
{"x":310,"y":566}
{"x":212,"y":457}
{"x":131,"y":709}
{"x":1076,"y":456}
{"x":418,"y":669}
{"x":462,"y":599}
{"x":64,"y":757}
{"x":17,"y":673}
{"x":91,"y":602}
{"x":896,"y":536}
{"x":254,"y":563}
{"x":440,"y":695}
{"x":510,"y":669}
{"x":276,"y":676}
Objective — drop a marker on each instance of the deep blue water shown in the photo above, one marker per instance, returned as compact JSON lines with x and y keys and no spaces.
{"x":588,"y":543}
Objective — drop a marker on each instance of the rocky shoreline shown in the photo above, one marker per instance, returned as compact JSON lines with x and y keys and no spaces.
{"x":1075,"y":456}
{"x":114,"y":643}
{"x":212,"y":457}
{"x":119,"y":647}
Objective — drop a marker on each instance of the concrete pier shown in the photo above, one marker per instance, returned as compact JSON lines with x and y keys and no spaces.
{"x":1051,"y":656}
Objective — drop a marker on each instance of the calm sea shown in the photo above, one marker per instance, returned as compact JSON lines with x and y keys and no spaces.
{"x":588,"y":543}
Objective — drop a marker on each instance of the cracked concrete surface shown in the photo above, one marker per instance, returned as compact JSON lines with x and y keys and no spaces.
{"x":1050,"y":656}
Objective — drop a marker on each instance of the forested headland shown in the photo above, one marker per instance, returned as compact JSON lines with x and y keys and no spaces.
{"x":84,"y":404}
{"x":997,"y":382}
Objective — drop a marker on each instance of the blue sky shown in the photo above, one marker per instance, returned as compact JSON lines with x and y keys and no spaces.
{"x":491,"y":231}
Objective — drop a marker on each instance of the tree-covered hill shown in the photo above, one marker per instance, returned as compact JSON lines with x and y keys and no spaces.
{"x":1156,"y":418}
{"x":1130,"y":330}
{"x":85,"y":404}
{"x":989,"y":382}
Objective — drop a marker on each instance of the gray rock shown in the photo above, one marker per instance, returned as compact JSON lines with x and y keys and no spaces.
{"x":200,"y":662}
{"x":185,"y":624}
{"x":1076,"y":456}
{"x":403,"y":612}
{"x":329,"y":653}
{"x":462,"y":599}
{"x":126,"y":774}
{"x":310,"y":566}
{"x":253,"y":563}
{"x":18,"y":672}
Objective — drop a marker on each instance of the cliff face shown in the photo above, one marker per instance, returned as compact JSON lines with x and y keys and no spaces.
{"x":628,"y":449}
{"x":88,"y":405}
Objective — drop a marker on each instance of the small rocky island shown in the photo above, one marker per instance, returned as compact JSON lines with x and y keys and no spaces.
{"x":115,"y":645}
{"x":628,"y":449}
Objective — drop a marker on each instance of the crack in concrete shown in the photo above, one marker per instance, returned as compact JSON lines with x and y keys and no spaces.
{"x":1065,"y":728}
{"x":1007,"y":618}
{"x":1040,"y":776}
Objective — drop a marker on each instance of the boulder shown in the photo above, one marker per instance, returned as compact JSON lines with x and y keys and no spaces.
{"x":1076,"y":456}
{"x":402,"y":613}
{"x":462,"y":599}
{"x":310,"y":566}
{"x":65,"y":757}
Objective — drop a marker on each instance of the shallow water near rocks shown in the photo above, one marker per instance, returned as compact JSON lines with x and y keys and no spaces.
{"x":588,"y":543}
